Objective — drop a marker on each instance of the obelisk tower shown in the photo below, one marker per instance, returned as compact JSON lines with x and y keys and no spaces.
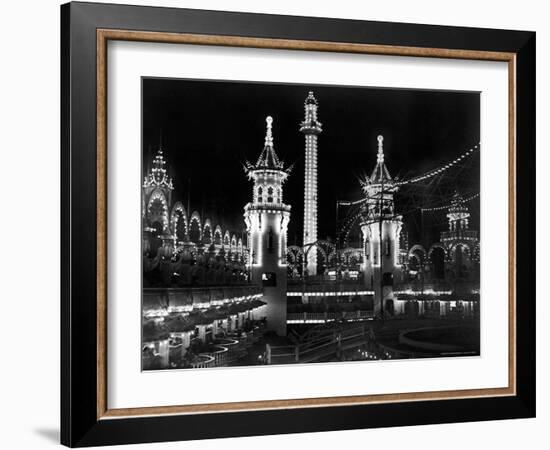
{"x":311,"y":128}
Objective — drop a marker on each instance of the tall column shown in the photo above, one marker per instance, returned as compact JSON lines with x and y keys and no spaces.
{"x":311,"y":128}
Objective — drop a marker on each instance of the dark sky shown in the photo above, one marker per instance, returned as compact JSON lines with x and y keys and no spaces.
{"x":209,"y":128}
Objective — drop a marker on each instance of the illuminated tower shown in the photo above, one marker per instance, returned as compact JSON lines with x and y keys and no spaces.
{"x":458,"y":216}
{"x":311,"y":128}
{"x":461,"y":242}
{"x":381,"y":229}
{"x":267,"y":220}
{"x":156,"y":201}
{"x":157,"y":184}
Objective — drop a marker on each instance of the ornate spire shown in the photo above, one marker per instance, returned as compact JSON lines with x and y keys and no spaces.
{"x":380,"y":173}
{"x":310,"y":124}
{"x":268,"y":159}
{"x":268,"y":132}
{"x":380,"y":156}
{"x":158,"y":175}
{"x":310,"y":99}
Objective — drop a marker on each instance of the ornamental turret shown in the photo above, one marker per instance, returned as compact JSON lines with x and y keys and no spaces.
{"x":156,"y":204}
{"x":311,"y":128}
{"x":266,"y":219}
{"x":157,"y":185}
{"x":458,"y":214}
{"x":462,"y":242}
{"x":381,"y":228}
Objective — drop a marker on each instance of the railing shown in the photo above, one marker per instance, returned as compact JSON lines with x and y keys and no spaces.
{"x":323,"y":317}
{"x":459,"y":234}
{"x":205,"y":360}
{"x":328,"y":288}
{"x":233,"y":347}
{"x":323,"y":279}
{"x":221,"y":356}
{"x":426,"y":287}
{"x":185,"y":299}
{"x":326,"y":343}
{"x":227,"y":350}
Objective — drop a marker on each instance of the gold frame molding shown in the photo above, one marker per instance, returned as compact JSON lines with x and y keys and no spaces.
{"x":105,"y":35}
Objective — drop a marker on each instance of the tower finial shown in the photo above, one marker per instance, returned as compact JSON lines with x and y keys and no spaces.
{"x":380,"y":156}
{"x":310,"y":99}
{"x":268,"y":133}
{"x":160,"y":141}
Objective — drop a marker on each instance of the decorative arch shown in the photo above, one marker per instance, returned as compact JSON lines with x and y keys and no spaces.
{"x":414,"y":261}
{"x":325,"y":249}
{"x":295,"y":250}
{"x":417,"y":248}
{"x":295,"y":259}
{"x":218,"y":235}
{"x":226,"y":238}
{"x":233,"y":246}
{"x":178,"y":221}
{"x":152,"y":213}
{"x":327,"y":246}
{"x":465,"y":248}
{"x":291,"y":257}
{"x":435,"y":246}
{"x":207,"y":232}
{"x":325,"y":256}
{"x":226,"y":242}
{"x":195,"y":227}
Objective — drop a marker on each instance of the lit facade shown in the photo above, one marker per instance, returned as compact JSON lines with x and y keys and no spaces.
{"x":199,"y":308}
{"x":266,"y":218}
{"x":181,"y":247}
{"x":311,"y":128}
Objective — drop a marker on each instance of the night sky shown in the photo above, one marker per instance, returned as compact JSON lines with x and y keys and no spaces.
{"x":210,"y":128}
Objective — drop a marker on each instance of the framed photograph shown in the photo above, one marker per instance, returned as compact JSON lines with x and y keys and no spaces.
{"x":277,"y":224}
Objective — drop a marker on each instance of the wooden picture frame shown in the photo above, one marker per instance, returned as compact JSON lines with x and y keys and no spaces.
{"x":86,"y":418}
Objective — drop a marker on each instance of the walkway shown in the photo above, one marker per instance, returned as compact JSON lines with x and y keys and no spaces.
{"x":320,"y":345}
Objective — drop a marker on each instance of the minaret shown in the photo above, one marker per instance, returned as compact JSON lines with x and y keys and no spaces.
{"x":381,"y":228}
{"x":460,"y":240}
{"x":156,"y":203}
{"x":266,"y":219}
{"x":158,"y":179}
{"x":458,"y":215}
{"x":311,"y":128}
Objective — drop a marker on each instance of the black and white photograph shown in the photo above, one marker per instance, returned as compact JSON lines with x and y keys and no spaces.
{"x":293,"y":224}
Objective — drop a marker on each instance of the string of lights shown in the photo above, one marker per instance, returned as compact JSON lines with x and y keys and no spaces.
{"x":440,"y":169}
{"x":351,"y":220}
{"x":351,"y":203}
{"x":422,"y":177}
{"x":447,"y":206}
